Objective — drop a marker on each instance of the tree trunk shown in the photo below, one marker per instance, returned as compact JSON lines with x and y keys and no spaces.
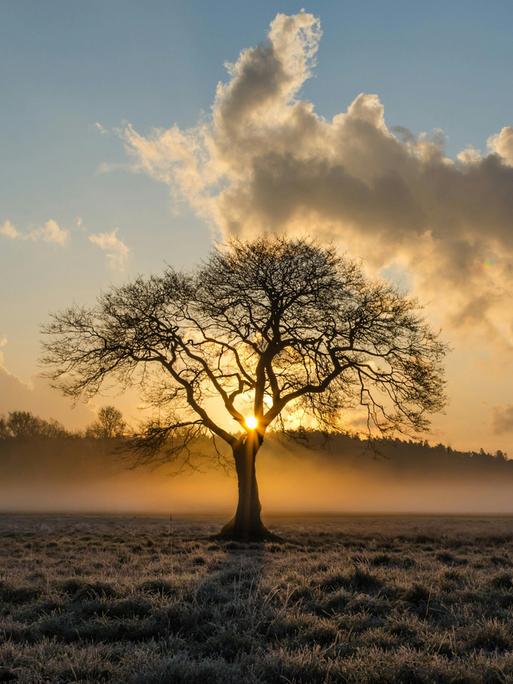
{"x":246,"y":524}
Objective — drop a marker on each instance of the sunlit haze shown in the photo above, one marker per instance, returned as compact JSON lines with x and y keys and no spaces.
{"x":256,"y":341}
{"x":383,"y":129}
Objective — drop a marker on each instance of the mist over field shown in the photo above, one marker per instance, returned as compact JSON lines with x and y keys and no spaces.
{"x":340,"y":475}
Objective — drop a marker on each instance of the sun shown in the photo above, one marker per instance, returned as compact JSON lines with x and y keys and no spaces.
{"x":251,"y":422}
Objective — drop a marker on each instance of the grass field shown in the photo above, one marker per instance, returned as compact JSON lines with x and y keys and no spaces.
{"x":344,"y":599}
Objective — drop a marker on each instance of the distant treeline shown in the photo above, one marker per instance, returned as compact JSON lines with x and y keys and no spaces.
{"x":33,"y":449}
{"x":110,"y":425}
{"x":395,"y":457}
{"x":43,"y":466}
{"x":383,"y":446}
{"x":23,"y":425}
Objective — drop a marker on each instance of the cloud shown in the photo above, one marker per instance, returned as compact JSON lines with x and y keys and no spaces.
{"x":114,"y":248}
{"x":267,"y":161}
{"x":503,"y":419}
{"x":50,"y":231}
{"x":8,"y":230}
{"x":502,"y":144}
{"x":3,"y":342}
{"x":110,"y":167}
{"x":101,"y":128}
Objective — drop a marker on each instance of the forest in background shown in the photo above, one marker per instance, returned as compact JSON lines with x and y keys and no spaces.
{"x":44,"y":467}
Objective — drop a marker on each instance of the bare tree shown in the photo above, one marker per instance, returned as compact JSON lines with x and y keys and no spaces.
{"x":109,"y":424}
{"x":271,"y":331}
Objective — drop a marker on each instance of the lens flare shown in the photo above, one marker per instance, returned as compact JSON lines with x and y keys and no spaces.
{"x":251,"y":422}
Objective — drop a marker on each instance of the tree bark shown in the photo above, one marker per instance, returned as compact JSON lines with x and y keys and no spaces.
{"x":246,"y":524}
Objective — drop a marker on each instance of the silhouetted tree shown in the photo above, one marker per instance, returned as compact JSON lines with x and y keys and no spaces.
{"x":4,"y":430}
{"x":109,"y":425}
{"x":24,"y":425}
{"x":270,"y":330}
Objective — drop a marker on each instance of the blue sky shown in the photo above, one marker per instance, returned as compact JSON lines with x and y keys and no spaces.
{"x":64,"y":66}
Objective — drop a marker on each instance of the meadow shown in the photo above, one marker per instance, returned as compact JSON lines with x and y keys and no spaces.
{"x":357,"y":599}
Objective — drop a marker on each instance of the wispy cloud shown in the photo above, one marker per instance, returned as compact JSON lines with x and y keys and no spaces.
{"x":3,"y":342}
{"x":101,"y":128}
{"x":115,"y":249}
{"x":50,"y":231}
{"x":110,"y":167}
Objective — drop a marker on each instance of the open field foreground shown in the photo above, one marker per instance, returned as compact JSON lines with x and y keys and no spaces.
{"x":343,"y":599}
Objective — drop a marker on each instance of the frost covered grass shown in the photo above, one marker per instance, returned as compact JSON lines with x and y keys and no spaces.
{"x":342,"y":599}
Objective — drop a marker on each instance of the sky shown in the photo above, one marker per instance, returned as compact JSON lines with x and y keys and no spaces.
{"x":382,"y":127}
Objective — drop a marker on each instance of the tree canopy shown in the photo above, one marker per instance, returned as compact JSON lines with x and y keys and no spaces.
{"x":109,"y":424}
{"x":265,"y":332}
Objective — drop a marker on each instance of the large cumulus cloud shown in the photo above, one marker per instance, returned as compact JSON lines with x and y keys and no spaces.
{"x":266,"y":161}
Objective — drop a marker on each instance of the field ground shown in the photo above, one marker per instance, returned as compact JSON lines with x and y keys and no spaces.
{"x":344,"y":599}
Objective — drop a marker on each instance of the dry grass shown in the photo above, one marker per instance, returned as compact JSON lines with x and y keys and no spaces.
{"x":363,"y":600}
